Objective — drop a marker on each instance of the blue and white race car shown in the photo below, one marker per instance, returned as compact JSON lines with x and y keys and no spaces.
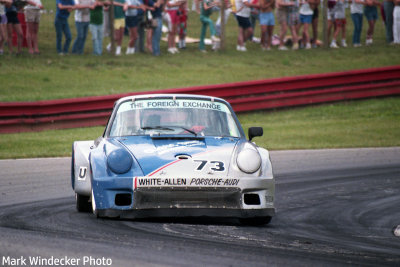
{"x":174,"y":156}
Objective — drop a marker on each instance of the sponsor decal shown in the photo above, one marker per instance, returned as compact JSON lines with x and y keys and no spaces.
{"x":170,"y":147}
{"x":185,"y":182}
{"x":82,"y":173}
{"x":178,"y":103}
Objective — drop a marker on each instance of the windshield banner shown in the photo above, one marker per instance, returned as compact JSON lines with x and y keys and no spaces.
{"x":169,"y":103}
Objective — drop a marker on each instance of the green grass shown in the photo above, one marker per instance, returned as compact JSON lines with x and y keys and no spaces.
{"x":368,"y":123}
{"x":49,"y":76}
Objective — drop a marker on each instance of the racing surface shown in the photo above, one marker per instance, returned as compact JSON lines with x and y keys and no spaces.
{"x":334,"y":208}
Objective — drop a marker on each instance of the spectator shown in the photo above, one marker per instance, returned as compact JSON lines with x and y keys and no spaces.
{"x":331,"y":18}
{"x":32,"y":18}
{"x":314,"y":7}
{"x":340,"y":23}
{"x":3,"y":26}
{"x":149,"y":7}
{"x":172,"y":8}
{"x":206,"y":8}
{"x":286,"y":14}
{"x":388,"y":7}
{"x":306,"y":15}
{"x":13,"y":24}
{"x":64,"y":8}
{"x":82,"y":19}
{"x":396,"y":22}
{"x":371,"y":13}
{"x":254,"y":16}
{"x":119,"y":25}
{"x":96,"y":27}
{"x":157,"y":31}
{"x":267,"y":23}
{"x":243,"y":19}
{"x":132,"y":21}
{"x":356,"y":10}
{"x":182,"y":25}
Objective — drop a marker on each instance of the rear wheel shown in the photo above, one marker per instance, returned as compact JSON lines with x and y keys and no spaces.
{"x":82,"y":203}
{"x":256,"y":220}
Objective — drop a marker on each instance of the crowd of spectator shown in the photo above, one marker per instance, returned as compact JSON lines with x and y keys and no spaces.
{"x":143,"y":20}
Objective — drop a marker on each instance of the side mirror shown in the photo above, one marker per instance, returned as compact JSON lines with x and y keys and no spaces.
{"x":255,"y":131}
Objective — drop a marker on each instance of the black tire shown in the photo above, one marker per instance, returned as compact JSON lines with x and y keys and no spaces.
{"x":82,"y":203}
{"x":256,"y":220}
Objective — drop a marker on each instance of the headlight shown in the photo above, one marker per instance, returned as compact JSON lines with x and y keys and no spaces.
{"x":248,"y":160}
{"x":119,"y":161}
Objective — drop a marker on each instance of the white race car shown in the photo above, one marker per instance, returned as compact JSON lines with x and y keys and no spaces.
{"x":174,"y":156}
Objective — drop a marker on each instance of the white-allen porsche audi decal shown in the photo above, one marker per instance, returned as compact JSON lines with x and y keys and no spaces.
{"x":184,"y":182}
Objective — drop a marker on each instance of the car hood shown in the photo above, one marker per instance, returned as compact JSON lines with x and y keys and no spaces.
{"x":181,"y":157}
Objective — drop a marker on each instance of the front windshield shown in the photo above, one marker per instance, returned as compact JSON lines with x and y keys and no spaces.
{"x":175,"y":117}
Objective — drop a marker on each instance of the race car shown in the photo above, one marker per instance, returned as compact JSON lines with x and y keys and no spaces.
{"x":174,"y":156}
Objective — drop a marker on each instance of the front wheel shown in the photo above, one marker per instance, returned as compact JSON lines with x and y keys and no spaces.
{"x":256,"y":220}
{"x":82,"y":203}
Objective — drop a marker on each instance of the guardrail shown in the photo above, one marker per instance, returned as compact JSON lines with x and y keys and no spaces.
{"x":243,"y":96}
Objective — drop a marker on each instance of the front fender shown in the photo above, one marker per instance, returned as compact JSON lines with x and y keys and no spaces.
{"x":80,"y":167}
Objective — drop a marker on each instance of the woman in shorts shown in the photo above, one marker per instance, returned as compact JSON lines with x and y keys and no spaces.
{"x":371,"y":13}
{"x":32,"y":17}
{"x":13,"y":24}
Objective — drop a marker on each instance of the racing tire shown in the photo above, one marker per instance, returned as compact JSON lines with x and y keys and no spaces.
{"x":82,"y":203}
{"x":255,"y":220}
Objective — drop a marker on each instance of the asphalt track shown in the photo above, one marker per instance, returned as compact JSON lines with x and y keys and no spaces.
{"x":334,"y":208}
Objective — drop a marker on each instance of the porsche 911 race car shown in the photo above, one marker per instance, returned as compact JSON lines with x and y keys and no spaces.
{"x":174,"y":156}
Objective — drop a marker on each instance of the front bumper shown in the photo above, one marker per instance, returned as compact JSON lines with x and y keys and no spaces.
{"x":123,"y":197}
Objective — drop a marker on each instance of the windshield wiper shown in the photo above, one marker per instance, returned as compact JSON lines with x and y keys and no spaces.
{"x":156,"y":128}
{"x":168,"y":129}
{"x":183,"y":128}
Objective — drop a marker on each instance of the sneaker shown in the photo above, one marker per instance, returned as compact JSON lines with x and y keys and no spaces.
{"x":295,"y":46}
{"x":256,"y":40}
{"x":308,"y":46}
{"x":108,"y":47}
{"x":282,"y":48}
{"x":171,"y":50}
{"x":356,"y":45}
{"x":175,"y":49}
{"x":344,"y":43}
{"x":333,"y":45}
{"x":241,"y":48}
{"x":1,"y":52}
{"x":118,"y":51}
{"x":215,"y":38}
{"x":368,"y":41}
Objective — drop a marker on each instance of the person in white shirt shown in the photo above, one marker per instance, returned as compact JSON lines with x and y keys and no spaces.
{"x":356,"y":10}
{"x":82,"y":19}
{"x":243,"y":18}
{"x":32,"y":18}
{"x":306,"y":14}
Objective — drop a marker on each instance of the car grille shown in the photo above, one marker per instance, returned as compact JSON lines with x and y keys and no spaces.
{"x":150,"y":198}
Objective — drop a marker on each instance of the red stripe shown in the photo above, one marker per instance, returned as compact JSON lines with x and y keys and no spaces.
{"x":165,"y":166}
{"x":135,"y":182}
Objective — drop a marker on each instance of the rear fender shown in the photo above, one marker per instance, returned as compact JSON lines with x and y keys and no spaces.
{"x":80,"y":172}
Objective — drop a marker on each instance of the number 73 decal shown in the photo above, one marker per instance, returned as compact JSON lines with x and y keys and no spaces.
{"x":217,"y":166}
